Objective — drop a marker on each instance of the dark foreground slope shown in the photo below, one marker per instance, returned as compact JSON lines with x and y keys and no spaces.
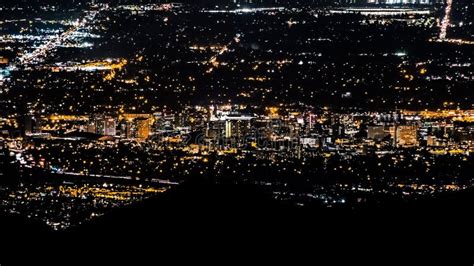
{"x":200,"y":215}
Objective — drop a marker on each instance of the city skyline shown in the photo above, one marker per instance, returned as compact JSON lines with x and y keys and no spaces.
{"x":115,"y":111}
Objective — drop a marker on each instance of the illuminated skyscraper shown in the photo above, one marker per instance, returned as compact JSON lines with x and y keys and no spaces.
{"x":143,"y":126}
{"x":106,"y":126}
{"x":102,"y":125}
{"x":5,"y":163}
{"x":376,"y":132}
{"x":236,"y":125}
{"x":136,"y":126}
{"x":3,"y":157}
{"x":406,"y":136}
{"x":3,"y":60}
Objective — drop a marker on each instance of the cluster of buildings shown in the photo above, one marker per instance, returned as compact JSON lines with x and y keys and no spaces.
{"x":3,"y":158}
{"x":130,"y":126}
{"x":234,"y":127}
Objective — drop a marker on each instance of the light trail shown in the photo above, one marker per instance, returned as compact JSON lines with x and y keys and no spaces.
{"x":446,"y":20}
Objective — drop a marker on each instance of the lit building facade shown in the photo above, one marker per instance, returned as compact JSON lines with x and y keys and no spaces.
{"x":407,"y":136}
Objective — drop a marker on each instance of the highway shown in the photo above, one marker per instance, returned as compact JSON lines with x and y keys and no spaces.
{"x":41,"y":52}
{"x":446,"y":20}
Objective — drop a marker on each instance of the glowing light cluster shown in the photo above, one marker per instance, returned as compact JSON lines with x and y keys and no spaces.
{"x":43,"y":50}
{"x":446,"y":21}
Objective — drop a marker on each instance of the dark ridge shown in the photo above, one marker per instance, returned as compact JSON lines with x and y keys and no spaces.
{"x":16,"y":227}
{"x":222,"y":216}
{"x":208,"y":205}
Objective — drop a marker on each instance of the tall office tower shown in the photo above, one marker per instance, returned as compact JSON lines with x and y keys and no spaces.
{"x":143,"y":126}
{"x":3,"y":60}
{"x":110,"y":127}
{"x":376,"y":132}
{"x":310,"y":120}
{"x":3,"y":156}
{"x":5,"y":163}
{"x":237,"y":125}
{"x":228,"y":129}
{"x":432,"y":141}
{"x":136,"y":126}
{"x":91,"y":127}
{"x":31,"y":124}
{"x":406,"y":136}
{"x":105,"y":125}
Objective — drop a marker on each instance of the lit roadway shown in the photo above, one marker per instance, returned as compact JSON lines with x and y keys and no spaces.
{"x":42,"y":51}
{"x":27,"y":164}
{"x":445,"y":25}
{"x":213,"y":60}
{"x":446,"y":21}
